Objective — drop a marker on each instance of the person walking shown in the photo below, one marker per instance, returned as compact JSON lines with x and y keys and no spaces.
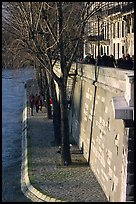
{"x":51,"y":105}
{"x":31,"y":103}
{"x":37,"y":103}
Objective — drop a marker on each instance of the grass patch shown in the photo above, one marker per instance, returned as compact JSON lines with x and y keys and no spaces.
{"x":31,"y":177}
{"x":29,"y":156}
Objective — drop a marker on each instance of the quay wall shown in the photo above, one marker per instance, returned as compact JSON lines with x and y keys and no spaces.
{"x":101,"y":122}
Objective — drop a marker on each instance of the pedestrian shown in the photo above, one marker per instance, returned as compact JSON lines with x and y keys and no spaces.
{"x":129,"y":62}
{"x":86,"y":60}
{"x":37,"y":103}
{"x":125,"y":62}
{"x":31,"y":103}
{"x":112,"y":61}
{"x":51,"y":105}
{"x":121,"y":62}
{"x":105,"y":60}
{"x":98,"y":60}
{"x":69,"y":102}
{"x":92,"y":60}
{"x":50,"y":101}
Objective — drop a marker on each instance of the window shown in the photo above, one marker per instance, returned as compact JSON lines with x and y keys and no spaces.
{"x":95,"y":51}
{"x":104,"y":50}
{"x":102,"y":32}
{"x":107,"y":50}
{"x":101,"y":50}
{"x":105,"y":36}
{"x":128,"y":25}
{"x":107,"y":30}
{"x":118,"y":29}
{"x":122,"y":49}
{"x":122,"y":28}
{"x":132,"y":22}
{"x":118,"y":50}
{"x":92,"y":47}
{"x":114,"y":49}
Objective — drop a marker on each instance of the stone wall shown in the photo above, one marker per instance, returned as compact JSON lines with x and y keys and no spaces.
{"x":102,"y":105}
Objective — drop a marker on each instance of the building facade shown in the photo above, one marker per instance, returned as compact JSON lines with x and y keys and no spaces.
{"x":110,"y":30}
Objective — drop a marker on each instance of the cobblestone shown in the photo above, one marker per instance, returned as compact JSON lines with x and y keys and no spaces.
{"x":55,"y":182}
{"x":73,"y":183}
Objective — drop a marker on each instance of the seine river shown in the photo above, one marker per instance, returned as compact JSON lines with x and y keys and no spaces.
{"x":12,"y":106}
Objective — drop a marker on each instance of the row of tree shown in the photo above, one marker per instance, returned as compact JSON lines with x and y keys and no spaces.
{"x":43,"y":33}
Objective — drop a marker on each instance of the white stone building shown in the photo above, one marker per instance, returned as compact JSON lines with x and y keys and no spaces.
{"x":111,"y":29}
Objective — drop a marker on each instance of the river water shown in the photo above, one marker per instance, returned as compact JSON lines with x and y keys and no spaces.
{"x":12,"y":106}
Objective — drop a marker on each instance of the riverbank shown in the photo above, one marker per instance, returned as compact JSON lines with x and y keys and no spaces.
{"x":12,"y":106}
{"x":45,"y":179}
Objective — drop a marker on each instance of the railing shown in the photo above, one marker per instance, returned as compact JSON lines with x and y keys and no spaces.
{"x":123,"y":8}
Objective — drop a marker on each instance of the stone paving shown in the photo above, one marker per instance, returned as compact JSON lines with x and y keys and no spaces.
{"x":45,"y":179}
{"x":73,"y":183}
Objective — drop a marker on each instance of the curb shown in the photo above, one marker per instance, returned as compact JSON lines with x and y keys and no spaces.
{"x":28,"y":190}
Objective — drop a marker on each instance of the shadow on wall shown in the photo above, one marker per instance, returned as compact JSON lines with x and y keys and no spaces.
{"x":97,"y":68}
{"x":76,"y":110}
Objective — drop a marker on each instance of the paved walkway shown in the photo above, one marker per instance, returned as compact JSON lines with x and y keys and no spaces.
{"x":73,"y":183}
{"x":45,"y":179}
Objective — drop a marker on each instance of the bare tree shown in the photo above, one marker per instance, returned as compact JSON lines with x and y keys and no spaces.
{"x":52,"y":31}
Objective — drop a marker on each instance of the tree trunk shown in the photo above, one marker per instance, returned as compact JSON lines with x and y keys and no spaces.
{"x":41,"y":81}
{"x":56,"y":114}
{"x":47,"y":96}
{"x":65,"y":149}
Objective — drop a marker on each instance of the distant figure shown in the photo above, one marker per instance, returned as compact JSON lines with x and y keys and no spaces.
{"x":129,"y":62}
{"x":51,"y":105}
{"x":31,"y":102}
{"x":112,"y":61}
{"x":69,"y":102}
{"x":51,"y":101}
{"x":125,"y":62}
{"x":98,"y":60}
{"x":25,"y":86}
{"x":86,"y":59}
{"x":121,"y":62}
{"x":92,"y":60}
{"x":105,"y":60}
{"x":37,"y":103}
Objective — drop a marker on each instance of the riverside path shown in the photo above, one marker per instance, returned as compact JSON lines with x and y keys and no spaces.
{"x":54,"y":182}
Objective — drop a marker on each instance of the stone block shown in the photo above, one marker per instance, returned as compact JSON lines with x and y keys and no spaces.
{"x":121,"y":109}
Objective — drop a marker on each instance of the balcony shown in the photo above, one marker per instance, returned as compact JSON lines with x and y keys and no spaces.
{"x":95,"y":39}
{"x":123,"y":8}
